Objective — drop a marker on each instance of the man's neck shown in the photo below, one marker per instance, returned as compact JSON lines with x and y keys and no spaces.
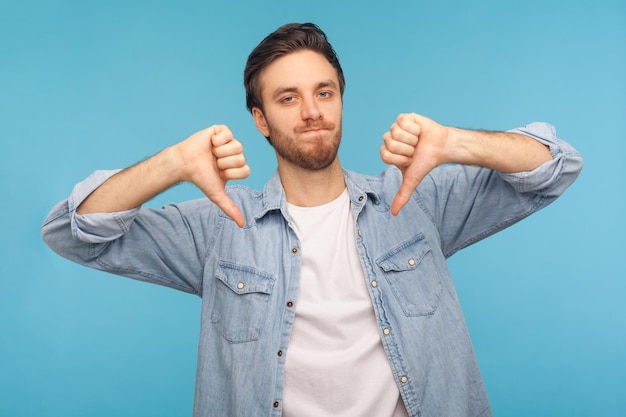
{"x":307,"y":188}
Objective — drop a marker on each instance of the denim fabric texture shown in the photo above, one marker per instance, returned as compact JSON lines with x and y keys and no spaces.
{"x":248,"y":277}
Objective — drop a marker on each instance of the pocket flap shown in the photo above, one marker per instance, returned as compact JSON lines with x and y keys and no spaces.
{"x":406,"y":256}
{"x":243,"y":279}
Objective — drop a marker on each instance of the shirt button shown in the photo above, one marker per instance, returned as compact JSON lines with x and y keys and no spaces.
{"x":359,"y":232}
{"x":374,"y":284}
{"x":360,"y":198}
{"x":240,"y":285}
{"x":404,"y":379}
{"x":276,"y":404}
{"x":411,"y":261}
{"x":289,"y":304}
{"x":294,"y":250}
{"x":386,"y":332}
{"x":280,"y":353}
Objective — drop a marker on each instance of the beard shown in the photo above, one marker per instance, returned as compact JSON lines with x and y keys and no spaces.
{"x":314,"y":155}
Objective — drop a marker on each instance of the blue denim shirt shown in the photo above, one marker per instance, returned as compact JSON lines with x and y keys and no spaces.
{"x":248,"y":277}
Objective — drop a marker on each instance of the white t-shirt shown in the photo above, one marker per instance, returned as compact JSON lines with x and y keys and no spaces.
{"x":335,"y":365}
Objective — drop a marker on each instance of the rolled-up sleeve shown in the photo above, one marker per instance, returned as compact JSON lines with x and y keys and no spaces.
{"x":97,"y":227}
{"x":165,"y":246}
{"x":553,"y":176}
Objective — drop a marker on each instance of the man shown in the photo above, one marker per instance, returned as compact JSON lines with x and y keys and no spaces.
{"x":327,"y":293}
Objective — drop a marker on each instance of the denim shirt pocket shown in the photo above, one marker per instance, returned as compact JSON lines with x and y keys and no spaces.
{"x":242,"y":301}
{"x":413,"y":277}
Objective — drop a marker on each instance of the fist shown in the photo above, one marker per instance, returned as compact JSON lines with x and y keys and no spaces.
{"x":228,"y":152}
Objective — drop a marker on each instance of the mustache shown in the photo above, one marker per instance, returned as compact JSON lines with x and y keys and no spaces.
{"x":318,"y":124}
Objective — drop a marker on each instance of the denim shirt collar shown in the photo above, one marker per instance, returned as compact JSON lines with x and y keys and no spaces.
{"x":359,"y":190}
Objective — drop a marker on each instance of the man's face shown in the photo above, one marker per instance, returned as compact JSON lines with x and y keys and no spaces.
{"x":302,"y":109}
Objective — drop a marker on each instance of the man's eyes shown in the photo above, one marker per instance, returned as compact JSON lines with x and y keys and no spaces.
{"x":291,"y":99}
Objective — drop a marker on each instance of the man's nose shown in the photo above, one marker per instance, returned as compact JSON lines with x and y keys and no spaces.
{"x":310,"y":109}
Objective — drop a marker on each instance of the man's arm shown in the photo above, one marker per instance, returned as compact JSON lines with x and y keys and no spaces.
{"x":208,"y":159}
{"x":416,"y":145}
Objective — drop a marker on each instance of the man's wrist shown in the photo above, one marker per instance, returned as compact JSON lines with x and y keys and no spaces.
{"x":460,"y":146}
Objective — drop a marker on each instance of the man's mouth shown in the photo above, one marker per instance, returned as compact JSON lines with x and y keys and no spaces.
{"x":316,"y":127}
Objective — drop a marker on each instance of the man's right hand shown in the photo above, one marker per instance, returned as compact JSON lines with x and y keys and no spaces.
{"x":208,"y":159}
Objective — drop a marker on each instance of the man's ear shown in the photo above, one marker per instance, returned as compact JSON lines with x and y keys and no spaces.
{"x":260,"y":122}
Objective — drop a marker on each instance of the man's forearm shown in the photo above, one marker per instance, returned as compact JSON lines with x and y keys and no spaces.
{"x":135,"y":185}
{"x":502,"y":151}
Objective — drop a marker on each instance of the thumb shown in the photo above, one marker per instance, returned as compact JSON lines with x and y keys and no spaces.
{"x":411,"y":178}
{"x":226,"y":204}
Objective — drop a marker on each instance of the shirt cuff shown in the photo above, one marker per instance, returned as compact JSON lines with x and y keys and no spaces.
{"x":549,"y":172}
{"x":97,"y":227}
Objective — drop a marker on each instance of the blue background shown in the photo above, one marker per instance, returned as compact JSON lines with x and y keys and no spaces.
{"x":96,"y":85}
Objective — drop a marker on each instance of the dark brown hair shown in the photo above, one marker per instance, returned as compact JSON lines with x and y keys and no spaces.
{"x":289,"y":38}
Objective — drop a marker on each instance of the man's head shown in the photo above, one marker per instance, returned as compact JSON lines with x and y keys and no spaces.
{"x":294,"y":89}
{"x":287,"y":39}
